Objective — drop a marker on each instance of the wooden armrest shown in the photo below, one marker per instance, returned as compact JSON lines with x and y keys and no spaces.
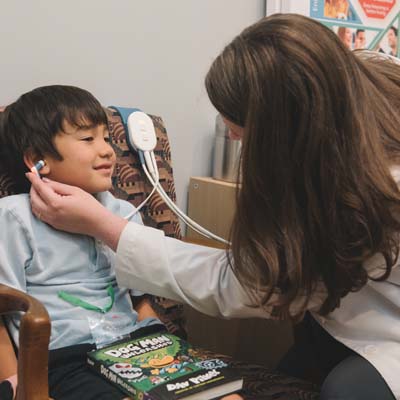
{"x":34,"y":336}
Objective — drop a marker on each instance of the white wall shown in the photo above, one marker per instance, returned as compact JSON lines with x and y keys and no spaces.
{"x":151,"y":54}
{"x":284,"y":6}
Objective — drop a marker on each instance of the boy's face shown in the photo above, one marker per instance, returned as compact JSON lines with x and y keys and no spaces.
{"x":88,"y":159}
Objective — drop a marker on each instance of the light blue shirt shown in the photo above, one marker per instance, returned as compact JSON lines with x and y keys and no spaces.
{"x":42,"y":261}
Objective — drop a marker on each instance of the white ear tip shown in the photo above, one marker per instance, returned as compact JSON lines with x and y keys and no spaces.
{"x":37,"y":167}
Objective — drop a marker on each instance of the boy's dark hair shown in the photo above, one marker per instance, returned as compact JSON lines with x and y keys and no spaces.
{"x":31,"y":123}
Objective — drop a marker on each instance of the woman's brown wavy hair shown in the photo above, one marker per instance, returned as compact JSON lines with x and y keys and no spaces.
{"x":321,"y":131}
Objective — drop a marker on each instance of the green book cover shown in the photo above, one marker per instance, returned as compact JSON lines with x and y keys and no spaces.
{"x":163,"y":366}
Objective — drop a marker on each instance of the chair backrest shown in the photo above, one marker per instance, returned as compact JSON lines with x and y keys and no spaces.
{"x":131,"y":184}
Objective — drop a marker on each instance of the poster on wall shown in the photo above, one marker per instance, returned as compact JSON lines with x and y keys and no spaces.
{"x":360,"y":24}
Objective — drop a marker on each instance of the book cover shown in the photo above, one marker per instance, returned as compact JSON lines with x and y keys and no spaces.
{"x":163,"y":366}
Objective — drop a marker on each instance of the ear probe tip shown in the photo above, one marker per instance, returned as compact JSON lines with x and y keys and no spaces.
{"x":37,"y":167}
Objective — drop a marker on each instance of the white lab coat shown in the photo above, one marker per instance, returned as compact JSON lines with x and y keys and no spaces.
{"x":367,"y":321}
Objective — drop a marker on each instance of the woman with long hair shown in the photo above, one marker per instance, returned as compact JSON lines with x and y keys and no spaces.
{"x":316,"y":229}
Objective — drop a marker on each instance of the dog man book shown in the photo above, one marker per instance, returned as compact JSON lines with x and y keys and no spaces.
{"x":163,"y":366}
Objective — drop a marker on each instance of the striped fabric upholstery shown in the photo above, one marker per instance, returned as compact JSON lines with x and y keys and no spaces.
{"x":130,"y":182}
{"x":262,"y":384}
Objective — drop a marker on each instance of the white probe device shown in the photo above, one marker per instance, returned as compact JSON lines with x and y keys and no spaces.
{"x":37,"y":167}
{"x":141,"y":136}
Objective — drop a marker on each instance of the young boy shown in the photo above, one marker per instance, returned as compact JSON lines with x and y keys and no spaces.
{"x":72,"y":275}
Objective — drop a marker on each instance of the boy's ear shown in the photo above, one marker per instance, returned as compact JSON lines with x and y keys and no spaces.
{"x":31,"y":159}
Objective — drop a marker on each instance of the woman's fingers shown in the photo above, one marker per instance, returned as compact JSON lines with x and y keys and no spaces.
{"x":49,"y":190}
{"x":71,"y":209}
{"x":37,"y":204}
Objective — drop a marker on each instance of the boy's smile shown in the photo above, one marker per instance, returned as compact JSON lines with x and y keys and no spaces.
{"x":88,"y":159}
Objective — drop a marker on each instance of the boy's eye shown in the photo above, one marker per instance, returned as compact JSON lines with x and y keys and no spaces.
{"x":87,"y":139}
{"x":107,"y":139}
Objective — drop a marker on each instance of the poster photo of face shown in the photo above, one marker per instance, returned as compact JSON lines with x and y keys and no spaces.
{"x":337,"y":9}
{"x":360,"y":24}
{"x":354,"y":38}
{"x":389,"y":44}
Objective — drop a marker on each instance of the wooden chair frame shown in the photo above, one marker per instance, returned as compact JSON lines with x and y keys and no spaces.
{"x":34,"y":336}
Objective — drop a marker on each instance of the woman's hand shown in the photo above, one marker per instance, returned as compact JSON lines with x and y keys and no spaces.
{"x":71,"y":209}
{"x":62,"y":206}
